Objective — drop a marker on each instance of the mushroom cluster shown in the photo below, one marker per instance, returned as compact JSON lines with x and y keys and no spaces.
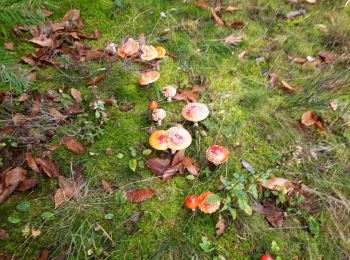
{"x":192,"y":202}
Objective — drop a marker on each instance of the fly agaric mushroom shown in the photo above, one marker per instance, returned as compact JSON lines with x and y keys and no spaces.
{"x":195,"y":112}
{"x":191,"y":202}
{"x":158,"y":140}
{"x":169,"y":92}
{"x":128,"y":48}
{"x":178,"y":138}
{"x":149,"y":77}
{"x":207,"y":207}
{"x":158,"y":115}
{"x":217,"y":154}
{"x":161,"y":52}
{"x":149,"y":52}
{"x":152,"y":105}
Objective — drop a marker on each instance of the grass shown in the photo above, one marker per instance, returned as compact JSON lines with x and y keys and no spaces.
{"x":247,"y":116}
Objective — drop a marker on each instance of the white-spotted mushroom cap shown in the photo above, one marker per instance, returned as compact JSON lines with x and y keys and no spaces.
{"x":169,"y":92}
{"x":195,"y":112}
{"x":178,"y":138}
{"x":217,"y":154}
{"x":158,"y":115}
{"x":149,"y":77}
{"x":148,"y":52}
{"x":128,"y":48}
{"x":158,"y":140}
{"x":207,"y":207}
{"x":111,"y":48}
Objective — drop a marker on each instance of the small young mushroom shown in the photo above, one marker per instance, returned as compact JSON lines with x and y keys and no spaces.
{"x":169,"y":92}
{"x":161,"y":52}
{"x":158,"y":115}
{"x":149,"y":52}
{"x":158,"y":140}
{"x":128,"y":48}
{"x":191,"y":202}
{"x":152,"y":105}
{"x":195,"y":112}
{"x":178,"y":138}
{"x":149,"y":77}
{"x":217,"y":154}
{"x":207,"y":207}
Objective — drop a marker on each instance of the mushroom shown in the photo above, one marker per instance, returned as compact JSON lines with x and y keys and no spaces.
{"x":152,"y":104}
{"x":128,"y":48}
{"x":195,"y":112}
{"x":217,"y":154}
{"x":178,"y":138}
{"x":149,"y":52}
{"x":169,"y":92}
{"x":158,"y":140}
{"x":191,"y":202}
{"x":161,"y":52}
{"x":158,"y":115}
{"x":149,"y":77}
{"x":111,"y":49}
{"x":207,"y":207}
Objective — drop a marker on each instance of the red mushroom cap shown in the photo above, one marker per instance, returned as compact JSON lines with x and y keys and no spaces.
{"x":152,"y":105}
{"x":158,"y":140}
{"x":266,"y":257}
{"x":195,"y":112}
{"x":207,"y":207}
{"x":158,"y":114}
{"x":217,"y":154}
{"x":169,"y":92}
{"x":191,"y":202}
{"x":178,"y":138}
{"x":149,"y":77}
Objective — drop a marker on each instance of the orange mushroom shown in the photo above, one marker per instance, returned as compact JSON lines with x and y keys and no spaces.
{"x":161,"y":52}
{"x":217,"y":154}
{"x":158,"y":140}
{"x":149,"y":77}
{"x":128,"y":48}
{"x":207,"y":207}
{"x":149,"y":52}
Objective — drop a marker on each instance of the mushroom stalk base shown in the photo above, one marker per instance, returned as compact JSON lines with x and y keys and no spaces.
{"x":159,"y":122}
{"x":195,"y":124}
{"x":169,"y":99}
{"x":173,"y":151}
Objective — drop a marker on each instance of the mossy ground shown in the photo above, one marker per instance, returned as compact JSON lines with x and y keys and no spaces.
{"x":245,"y":116}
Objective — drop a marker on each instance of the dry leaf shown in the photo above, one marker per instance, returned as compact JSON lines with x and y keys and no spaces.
{"x":73,"y":109}
{"x":48,"y":166}
{"x":201,"y":4}
{"x":107,"y":186}
{"x":309,"y":118}
{"x":178,"y":158}
{"x":94,"y":80}
{"x":15,"y":176}
{"x":44,"y":255}
{"x":126,"y":108}
{"x":326,"y":57}
{"x":220,"y":226}
{"x":27,"y":185}
{"x":36,"y":108}
{"x":278,"y":184}
{"x":231,"y":9}
{"x":191,"y":166}
{"x":65,"y":192}
{"x":23,"y":97}
{"x":139,"y":195}
{"x":217,"y":18}
{"x":4,"y":234}
{"x":294,"y":14}
{"x":273,"y":79}
{"x":241,"y":55}
{"x":233,"y":39}
{"x":273,"y":214}
{"x":189,"y":95}
{"x":158,"y":166}
{"x":9,"y":46}
{"x":72,"y":144}
{"x":31,"y":162}
{"x":287,"y":87}
{"x":76,"y":94}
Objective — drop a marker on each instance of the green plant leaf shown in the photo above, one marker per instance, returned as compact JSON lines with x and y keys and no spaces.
{"x":133,"y":164}
{"x":14,"y":219}
{"x":23,"y":207}
{"x":120,"y":155}
{"x":314,"y":226}
{"x":109,"y":216}
{"x":147,"y":152}
{"x":47,"y":215}
{"x":233,"y":213}
{"x":212,"y":198}
{"x":120,"y":198}
{"x":274,"y":246}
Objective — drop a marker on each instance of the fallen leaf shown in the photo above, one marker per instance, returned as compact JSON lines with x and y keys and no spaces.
{"x":65,"y":192}
{"x":126,"y":108}
{"x":191,"y":166}
{"x":139,"y":195}
{"x":15,"y":176}
{"x":231,"y":9}
{"x":158,"y":166}
{"x":76,"y":94}
{"x":237,"y":24}
{"x":273,"y":79}
{"x":4,"y":234}
{"x":27,"y":185}
{"x":31,"y":162}
{"x":278,"y":184}
{"x":295,"y":13}
{"x":72,"y":144}
{"x":233,"y":39}
{"x":287,"y":87}
{"x":107,"y":186}
{"x":326,"y":57}
{"x":136,"y":217}
{"x":19,"y":119}
{"x":9,"y":46}
{"x":201,"y":4}
{"x":94,"y":80}
{"x":309,"y":118}
{"x":44,"y":255}
{"x":273,"y":214}
{"x":178,"y":158}
{"x":298,"y":60}
{"x":220,"y":226}
{"x":241,"y":55}
{"x":73,"y":109}
{"x":36,"y":108}
{"x":217,"y":18}
{"x":48,"y":166}
{"x":189,"y":95}
{"x":23,"y":97}
{"x":248,"y":166}
{"x":334,"y":104}
{"x":73,"y":16}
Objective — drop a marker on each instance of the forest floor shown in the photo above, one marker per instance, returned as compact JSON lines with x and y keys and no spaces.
{"x":257,"y":84}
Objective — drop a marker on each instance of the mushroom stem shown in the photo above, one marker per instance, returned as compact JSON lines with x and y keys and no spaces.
{"x":173,"y":151}
{"x":169,"y":99}
{"x":159,"y":122}
{"x":195,"y":124}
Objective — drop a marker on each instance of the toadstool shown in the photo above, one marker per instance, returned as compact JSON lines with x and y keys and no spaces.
{"x":217,"y":154}
{"x":207,"y":207}
{"x":128,"y":48}
{"x":178,"y":138}
{"x":158,"y":140}
{"x":161,"y":52}
{"x":158,"y":115}
{"x":149,"y":77}
{"x":149,"y":52}
{"x":169,"y":92}
{"x":195,"y":112}
{"x":191,"y":202}
{"x":152,"y":104}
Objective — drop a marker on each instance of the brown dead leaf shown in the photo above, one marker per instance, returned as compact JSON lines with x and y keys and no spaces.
{"x":298,"y":60}
{"x":65,"y":192}
{"x":31,"y":162}
{"x":237,"y":25}
{"x":4,"y":234}
{"x":217,"y":18}
{"x":220,"y":226}
{"x":158,"y":166}
{"x":191,"y":166}
{"x":139,"y":195}
{"x":19,"y":119}
{"x":107,"y":186}
{"x":44,"y":255}
{"x":92,"y":82}
{"x":9,"y":46}
{"x":231,"y":9}
{"x":273,"y":79}
{"x":76,"y":94}
{"x":126,"y":108}
{"x":74,"y":16}
{"x":287,"y":87}
{"x":178,"y":158}
{"x":36,"y":108}
{"x":23,"y":97}
{"x":72,"y":144}
{"x":73,"y":109}
{"x":326,"y":57}
{"x":27,"y":185}
{"x":49,"y":167}
{"x":189,"y":95}
{"x":201,"y":4}
{"x":273,"y":214}
{"x":309,"y":118}
{"x":57,"y":115}
{"x":15,"y":177}
{"x":241,"y":55}
{"x":293,"y":14}
{"x":233,"y":39}
{"x":278,"y":184}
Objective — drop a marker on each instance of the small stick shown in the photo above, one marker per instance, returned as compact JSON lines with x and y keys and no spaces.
{"x":106,"y":234}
